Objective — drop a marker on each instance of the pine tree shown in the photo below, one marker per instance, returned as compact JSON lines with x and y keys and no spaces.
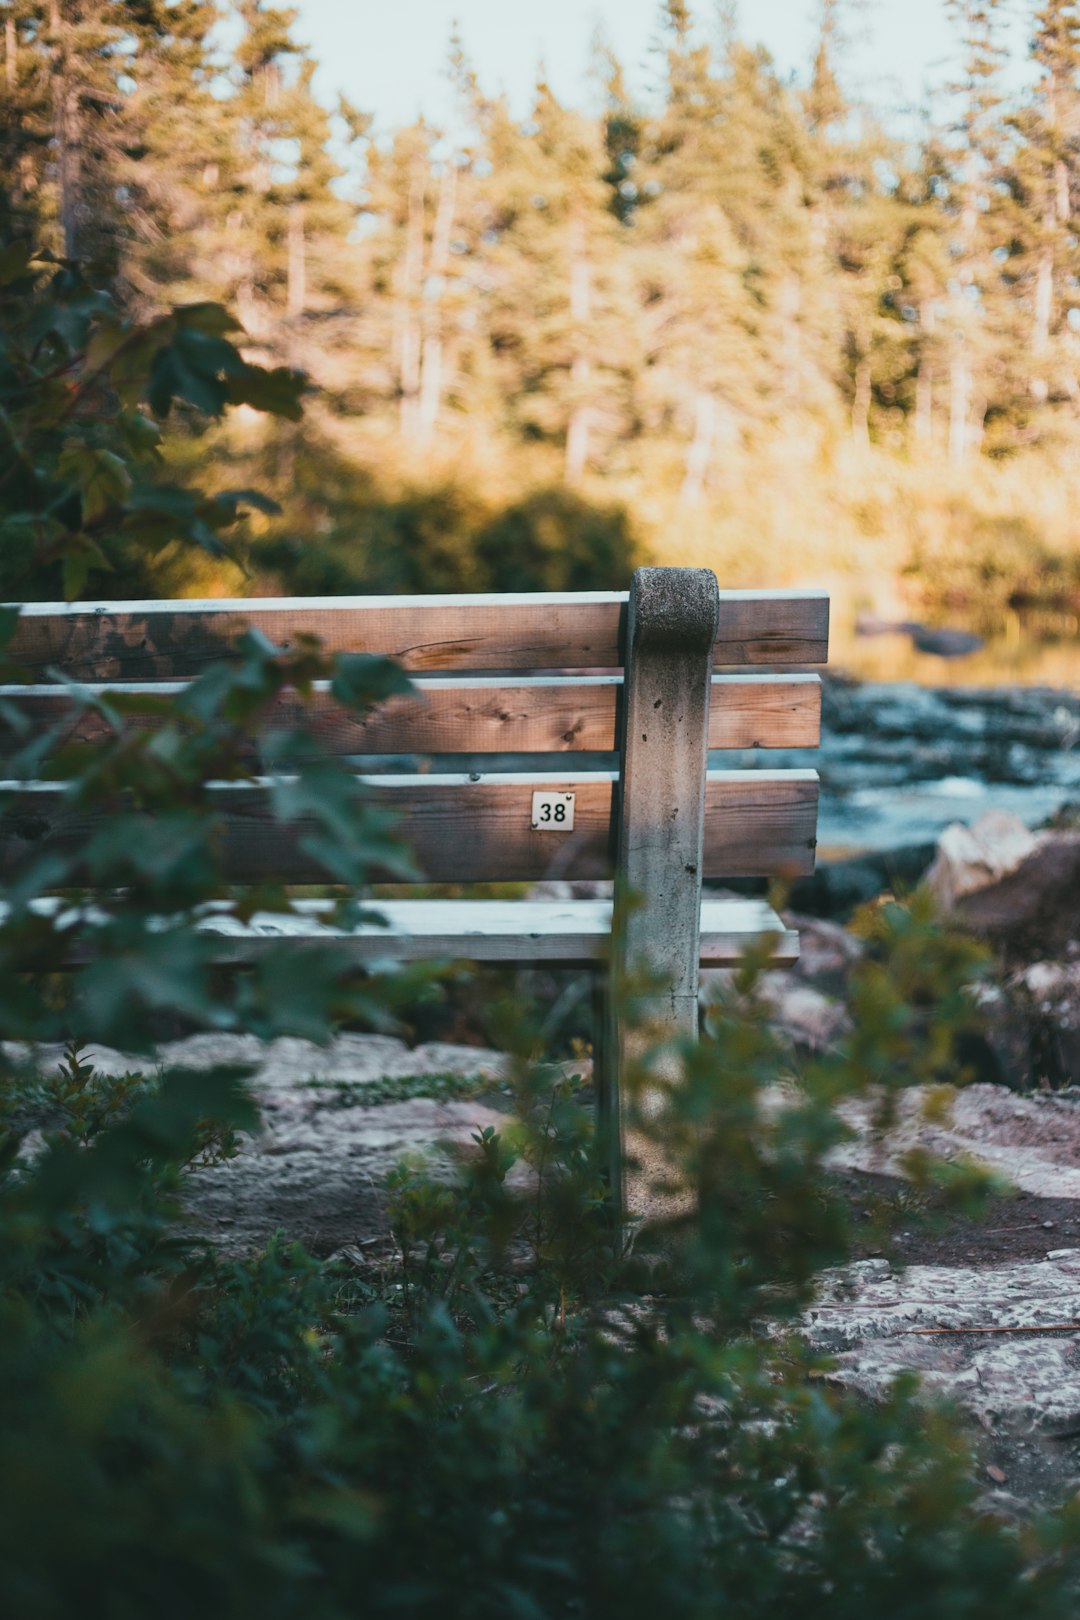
{"x":1045,"y":180}
{"x":25,"y":128}
{"x":734,"y":276}
{"x":412,"y":194}
{"x":859,"y":219}
{"x":974,"y":310}
{"x":553,"y":324}
{"x":107,"y":114}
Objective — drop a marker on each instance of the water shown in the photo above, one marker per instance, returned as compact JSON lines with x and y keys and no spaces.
{"x":899,"y":761}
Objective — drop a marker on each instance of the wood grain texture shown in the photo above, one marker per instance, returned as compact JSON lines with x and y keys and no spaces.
{"x":458,"y":715}
{"x":663,"y":761}
{"x":761,"y":823}
{"x":157,"y":640}
{"x":757,"y":824}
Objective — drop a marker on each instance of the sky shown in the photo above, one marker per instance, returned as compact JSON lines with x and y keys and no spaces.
{"x":388,"y":56}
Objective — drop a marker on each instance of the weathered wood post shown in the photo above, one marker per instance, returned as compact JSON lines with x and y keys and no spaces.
{"x":664,"y":739}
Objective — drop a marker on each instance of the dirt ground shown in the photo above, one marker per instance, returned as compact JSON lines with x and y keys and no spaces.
{"x":921,"y":1232}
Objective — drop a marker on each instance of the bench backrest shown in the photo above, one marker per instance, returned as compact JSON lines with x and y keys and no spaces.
{"x":537,"y":674}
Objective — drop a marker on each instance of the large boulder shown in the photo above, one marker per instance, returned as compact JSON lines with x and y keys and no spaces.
{"x":1019,"y":889}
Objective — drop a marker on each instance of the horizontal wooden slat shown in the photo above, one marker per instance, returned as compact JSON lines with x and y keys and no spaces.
{"x":108,"y":641}
{"x":569,"y":933}
{"x":459,"y":715}
{"x":465,"y":829}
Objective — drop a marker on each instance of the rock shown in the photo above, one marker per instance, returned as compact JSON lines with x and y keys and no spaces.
{"x":838,"y":888}
{"x":47,"y":1058}
{"x":827,"y":952}
{"x":941,"y":641}
{"x":317,"y":1169}
{"x":1020,"y":889}
{"x":572,"y":889}
{"x":806,"y":1000}
{"x":1033,"y":1142}
{"x":801,"y":1013}
{"x":970,"y":858}
{"x":875,"y":1324}
{"x":1035,"y":909}
{"x":1044,"y":1001}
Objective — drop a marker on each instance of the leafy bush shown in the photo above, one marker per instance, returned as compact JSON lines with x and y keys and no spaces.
{"x":501,"y":1422}
{"x":83,"y":391}
{"x":379,"y":539}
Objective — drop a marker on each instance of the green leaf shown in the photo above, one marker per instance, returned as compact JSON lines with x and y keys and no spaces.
{"x":104,"y":344}
{"x":102,"y":477}
{"x":76,"y":567}
{"x":231,"y":500}
{"x":78,"y":561}
{"x":143,"y":436}
{"x":189,"y":369}
{"x":212,"y":319}
{"x":278,"y":391}
{"x":14,"y":260}
{"x":361,"y":679}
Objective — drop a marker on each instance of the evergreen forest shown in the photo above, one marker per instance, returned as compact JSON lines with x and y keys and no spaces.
{"x":739,"y":320}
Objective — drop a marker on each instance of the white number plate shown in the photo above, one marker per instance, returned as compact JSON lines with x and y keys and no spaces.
{"x":553,"y":812}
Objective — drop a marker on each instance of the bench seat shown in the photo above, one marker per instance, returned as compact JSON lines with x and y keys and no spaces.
{"x":563,"y":933}
{"x":560,"y":932}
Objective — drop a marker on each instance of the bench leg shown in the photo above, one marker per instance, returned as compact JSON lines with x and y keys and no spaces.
{"x":664,"y":741}
{"x":606,"y":1087}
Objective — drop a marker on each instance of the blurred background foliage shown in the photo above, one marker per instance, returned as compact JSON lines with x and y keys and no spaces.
{"x":742,"y":325}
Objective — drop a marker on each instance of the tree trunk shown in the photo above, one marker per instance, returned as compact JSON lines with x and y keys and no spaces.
{"x":431,"y":353}
{"x":296,"y":291}
{"x":65,"y":134}
{"x":1038,"y":386}
{"x":431,"y":369}
{"x":1055,"y":217}
{"x":860,"y":405}
{"x":700,"y":452}
{"x":580,"y":418}
{"x":11,"y":47}
{"x":924,"y":404}
{"x":959,"y":409}
{"x":409,"y":335}
{"x":1044,"y":298}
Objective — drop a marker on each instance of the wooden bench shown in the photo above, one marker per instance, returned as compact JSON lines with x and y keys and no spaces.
{"x":652,"y":679}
